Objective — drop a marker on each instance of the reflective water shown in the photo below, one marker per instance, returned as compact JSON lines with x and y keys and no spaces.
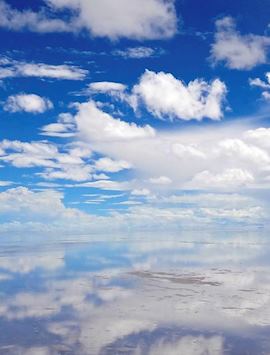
{"x":185,"y":294}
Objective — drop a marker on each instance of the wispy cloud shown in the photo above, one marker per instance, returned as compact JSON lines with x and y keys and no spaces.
{"x":138,"y":52}
{"x":11,"y":68}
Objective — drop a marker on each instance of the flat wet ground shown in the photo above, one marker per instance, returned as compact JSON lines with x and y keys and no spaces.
{"x":183,"y":294}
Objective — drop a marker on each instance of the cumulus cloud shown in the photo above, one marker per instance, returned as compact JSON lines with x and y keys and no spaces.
{"x":259,"y":137}
{"x":96,"y":125}
{"x":231,"y":148}
{"x":111,"y":166}
{"x":226,"y":179}
{"x":166,"y":96}
{"x":11,"y":68}
{"x":32,"y":210}
{"x":74,"y":172}
{"x":230,"y":156}
{"x":161,"y":180}
{"x":68,"y":163}
{"x":260,"y":83}
{"x":140,"y":19}
{"x":73,"y":162}
{"x":188,"y":150}
{"x":238,"y":51}
{"x":28,"y":154}
{"x":31,"y":103}
{"x":22,"y":200}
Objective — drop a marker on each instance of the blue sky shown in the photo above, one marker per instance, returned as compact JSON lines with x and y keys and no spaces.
{"x":126,"y":115}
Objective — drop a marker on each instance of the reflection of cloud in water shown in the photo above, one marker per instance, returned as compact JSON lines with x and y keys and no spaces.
{"x":189,"y":345}
{"x":56,"y":350}
{"x":26,"y":263}
{"x":186,"y":299}
{"x":172,"y":343}
{"x":182,"y":341}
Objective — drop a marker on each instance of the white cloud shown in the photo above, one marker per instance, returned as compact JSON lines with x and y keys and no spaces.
{"x":184,"y":151}
{"x":232,"y":154}
{"x":128,"y":203}
{"x":140,"y":19}
{"x":166,"y":96}
{"x":238,"y":148}
{"x":6,"y":73}
{"x":140,"y":192}
{"x":259,"y":136}
{"x":253,"y":212}
{"x":12,"y":68}
{"x":97,"y":125}
{"x":70,"y":163}
{"x":16,"y":20}
{"x":228,"y":153}
{"x":28,"y":154}
{"x":265,"y":85}
{"x":28,"y":203}
{"x":74,"y":172}
{"x":161,"y":180}
{"x":44,"y":212}
{"x":111,"y":166}
{"x":229,"y":157}
{"x":58,"y":130}
{"x":64,"y":128}
{"x":51,"y":71}
{"x":137,"y":52}
{"x":107,"y":185}
{"x":235,"y":50}
{"x":211,"y":200}
{"x":31,"y":103}
{"x":259,"y":83}
{"x":266,"y":95}
{"x":226,"y":179}
{"x":5,"y":183}
{"x":106,"y":87}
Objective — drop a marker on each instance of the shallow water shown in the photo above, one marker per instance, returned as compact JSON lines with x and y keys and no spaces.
{"x":187,"y":294}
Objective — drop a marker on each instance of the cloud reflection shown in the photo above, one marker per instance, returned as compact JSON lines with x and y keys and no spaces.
{"x":138,"y":297}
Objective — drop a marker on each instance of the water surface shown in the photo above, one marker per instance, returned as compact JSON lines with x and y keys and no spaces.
{"x":191,"y":293}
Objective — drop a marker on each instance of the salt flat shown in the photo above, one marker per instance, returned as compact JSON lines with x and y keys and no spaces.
{"x":136,"y":295}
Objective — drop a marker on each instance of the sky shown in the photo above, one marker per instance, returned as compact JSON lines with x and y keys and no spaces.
{"x":134,"y":115}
